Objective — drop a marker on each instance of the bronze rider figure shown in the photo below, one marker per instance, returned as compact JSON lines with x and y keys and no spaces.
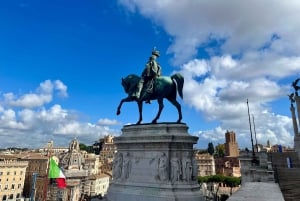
{"x":150,"y":72}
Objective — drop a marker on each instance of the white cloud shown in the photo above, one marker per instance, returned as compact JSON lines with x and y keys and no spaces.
{"x":46,"y":87}
{"x":253,"y":49}
{"x":31,"y":100}
{"x":33,"y":119}
{"x":43,"y":95}
{"x":107,"y":122}
{"x":194,"y":23}
{"x":61,"y":87}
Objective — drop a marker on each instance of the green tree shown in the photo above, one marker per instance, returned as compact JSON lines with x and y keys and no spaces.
{"x":86,"y":148}
{"x":220,"y":150}
{"x":211,"y":149}
{"x":82,"y":147}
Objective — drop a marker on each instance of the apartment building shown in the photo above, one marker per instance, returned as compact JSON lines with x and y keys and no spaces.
{"x":12,"y":177}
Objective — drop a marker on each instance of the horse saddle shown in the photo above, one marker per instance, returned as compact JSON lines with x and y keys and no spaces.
{"x":149,"y":86}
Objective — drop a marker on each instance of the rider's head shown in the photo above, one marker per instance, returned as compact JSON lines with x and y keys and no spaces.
{"x":155,"y":52}
{"x":152,"y":57}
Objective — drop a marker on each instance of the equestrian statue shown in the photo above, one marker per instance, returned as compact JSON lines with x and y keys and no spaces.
{"x":152,"y":86}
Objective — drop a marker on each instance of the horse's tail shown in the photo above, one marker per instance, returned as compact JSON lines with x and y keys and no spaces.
{"x":179,"y":81}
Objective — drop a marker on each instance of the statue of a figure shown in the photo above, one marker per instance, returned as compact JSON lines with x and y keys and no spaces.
{"x":117,"y":166}
{"x":296,"y":87}
{"x":176,"y":169}
{"x":151,"y":71}
{"x":126,"y":165}
{"x":186,"y":169}
{"x":163,"y":167}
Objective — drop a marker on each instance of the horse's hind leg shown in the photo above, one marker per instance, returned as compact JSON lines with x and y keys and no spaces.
{"x":178,"y":106}
{"x":160,"y":108}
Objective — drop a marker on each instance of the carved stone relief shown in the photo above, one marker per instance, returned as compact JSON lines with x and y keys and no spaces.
{"x":126,"y":165}
{"x":117,"y":166}
{"x":163,"y":170}
{"x":176,"y":169}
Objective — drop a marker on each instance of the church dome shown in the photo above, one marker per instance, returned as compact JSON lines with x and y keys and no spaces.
{"x":73,"y":159}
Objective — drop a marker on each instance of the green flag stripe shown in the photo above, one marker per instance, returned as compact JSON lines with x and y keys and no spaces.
{"x":54,"y":170}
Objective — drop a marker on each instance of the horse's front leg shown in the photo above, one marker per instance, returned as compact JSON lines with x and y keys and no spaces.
{"x":127,"y":99}
{"x":160,"y":108}
{"x":140,"y":106}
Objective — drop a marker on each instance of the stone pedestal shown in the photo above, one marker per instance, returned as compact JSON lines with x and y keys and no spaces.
{"x":155,"y":162}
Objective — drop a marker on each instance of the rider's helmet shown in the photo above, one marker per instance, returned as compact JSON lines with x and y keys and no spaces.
{"x":155,"y":52}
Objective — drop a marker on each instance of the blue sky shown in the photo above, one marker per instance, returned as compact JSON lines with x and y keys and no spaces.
{"x":61,"y":64}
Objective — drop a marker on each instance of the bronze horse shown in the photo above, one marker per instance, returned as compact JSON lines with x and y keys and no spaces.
{"x":163,"y":87}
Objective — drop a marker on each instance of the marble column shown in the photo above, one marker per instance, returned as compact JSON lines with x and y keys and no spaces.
{"x":297,"y":100}
{"x":294,"y":118}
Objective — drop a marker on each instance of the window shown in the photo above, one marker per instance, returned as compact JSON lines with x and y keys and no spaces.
{"x":4,"y":197}
{"x":15,"y":172}
{"x":13,"y":186}
{"x":7,"y":173}
{"x":6,"y":187}
{"x":1,"y":173}
{"x":11,"y":196}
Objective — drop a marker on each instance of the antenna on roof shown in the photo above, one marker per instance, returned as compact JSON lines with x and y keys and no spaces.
{"x":253,"y":153}
{"x":255,"y":133}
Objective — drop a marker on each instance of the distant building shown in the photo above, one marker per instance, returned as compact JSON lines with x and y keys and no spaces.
{"x":229,"y":165}
{"x":107,"y":153}
{"x":12,"y":178}
{"x":231,"y":146}
{"x":98,"y":185}
{"x":83,"y":175}
{"x":206,"y":164}
{"x":278,"y":148}
{"x":98,"y":182}
{"x":72,"y":164}
{"x":54,"y":150}
{"x":37,"y":164}
{"x":91,"y":163}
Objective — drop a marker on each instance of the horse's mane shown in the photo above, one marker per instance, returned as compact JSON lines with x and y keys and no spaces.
{"x":133,"y":78}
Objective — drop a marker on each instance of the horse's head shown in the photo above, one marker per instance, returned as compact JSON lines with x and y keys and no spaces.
{"x":125,"y":85}
{"x":129,"y":83}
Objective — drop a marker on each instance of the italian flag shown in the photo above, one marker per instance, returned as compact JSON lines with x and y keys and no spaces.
{"x":56,"y":173}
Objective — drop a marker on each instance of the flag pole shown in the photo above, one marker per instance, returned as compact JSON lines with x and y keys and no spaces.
{"x":49,"y":150}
